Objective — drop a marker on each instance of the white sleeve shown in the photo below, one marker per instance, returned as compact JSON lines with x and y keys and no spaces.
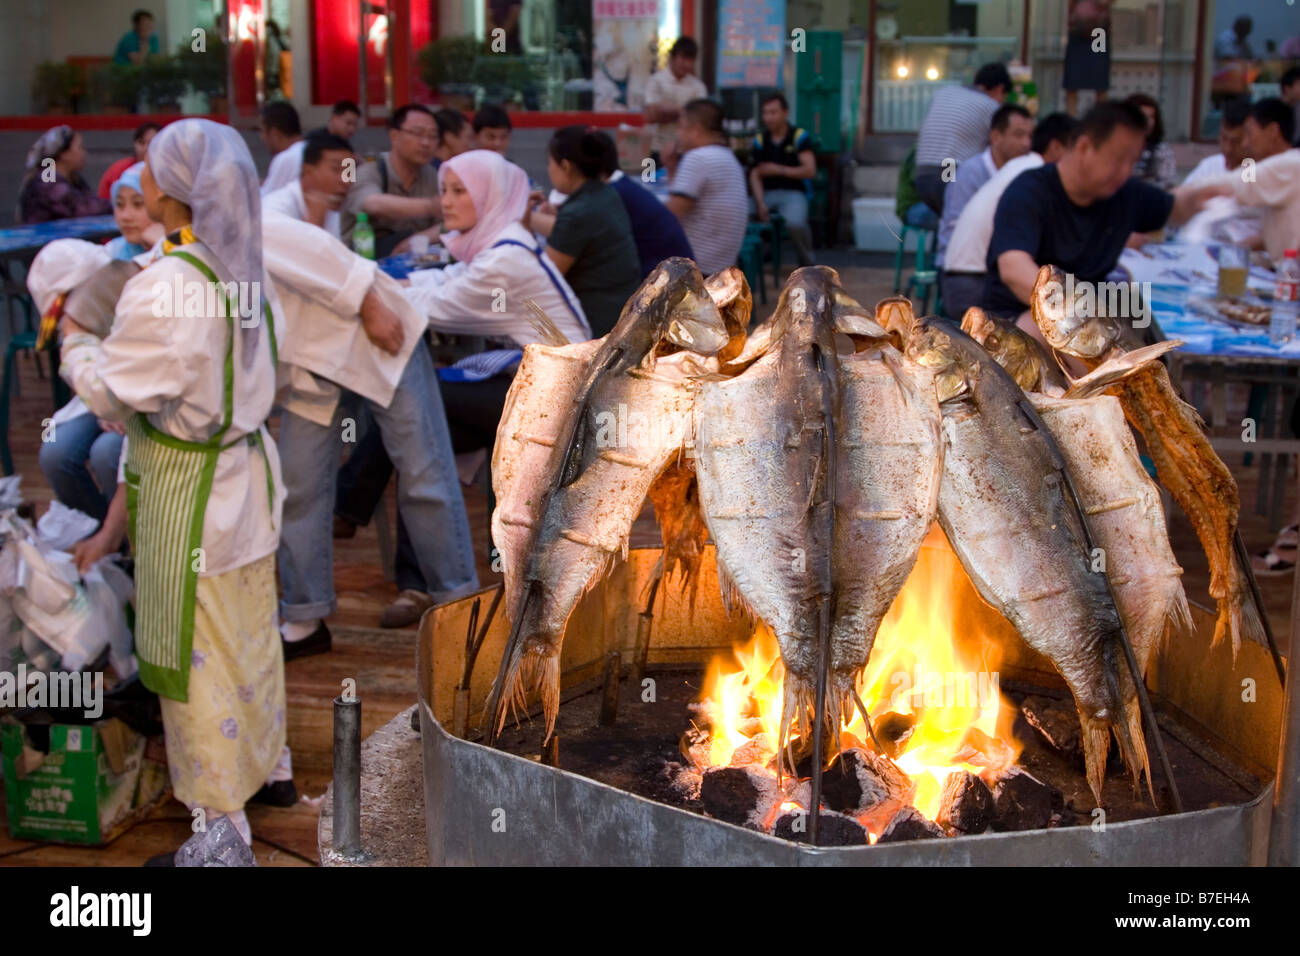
{"x":286,"y":166}
{"x":152,"y":356}
{"x":653,"y":94}
{"x":315,"y":265}
{"x":471,"y":298}
{"x":1276,"y":180}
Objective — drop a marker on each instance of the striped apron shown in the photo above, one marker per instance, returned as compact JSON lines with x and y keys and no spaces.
{"x":168,"y":484}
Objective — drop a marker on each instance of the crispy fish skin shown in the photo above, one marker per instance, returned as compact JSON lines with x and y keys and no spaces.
{"x":1004,"y":506}
{"x":1023,"y":356}
{"x":1127,"y":522}
{"x":617,"y":411}
{"x":675,"y":495}
{"x":1186,"y":463}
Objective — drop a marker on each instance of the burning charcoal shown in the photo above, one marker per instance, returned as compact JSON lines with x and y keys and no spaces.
{"x":739,"y":795}
{"x":1021,"y":802}
{"x":980,"y":749}
{"x":967,"y":805}
{"x":695,"y":745}
{"x":1057,"y":723}
{"x":859,"y":780}
{"x":894,"y":730}
{"x":833,"y":829}
{"x":757,"y":751}
{"x":908,"y":824}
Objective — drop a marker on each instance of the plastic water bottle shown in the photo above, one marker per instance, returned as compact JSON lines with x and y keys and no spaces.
{"x":363,"y":237}
{"x":1286,"y":300}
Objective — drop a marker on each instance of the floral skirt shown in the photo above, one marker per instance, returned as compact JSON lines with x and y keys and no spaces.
{"x":223,"y":742}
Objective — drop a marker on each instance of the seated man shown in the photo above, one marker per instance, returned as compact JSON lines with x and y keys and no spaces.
{"x":962,"y":279}
{"x":784,"y":166}
{"x":1222,"y":218}
{"x":1009,"y":137}
{"x":707,"y":190}
{"x":1275,"y":185}
{"x":399,"y":191}
{"x":1078,"y":213}
{"x":492,"y":128}
{"x":955,"y":128}
{"x":320,"y":189}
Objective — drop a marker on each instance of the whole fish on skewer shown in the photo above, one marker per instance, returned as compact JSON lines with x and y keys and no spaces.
{"x":585,"y":430}
{"x":1006,"y":508}
{"x":1173,"y":432}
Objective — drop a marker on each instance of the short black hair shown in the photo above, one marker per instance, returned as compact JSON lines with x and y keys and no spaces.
{"x":1290,"y":76}
{"x":491,"y":116}
{"x":142,"y":130}
{"x":1235,"y":112}
{"x":345,"y":106}
{"x":283,"y":117}
{"x":399,"y":115}
{"x":139,"y":15}
{"x":449,"y":121}
{"x":1272,"y":110}
{"x":316,"y":144}
{"x":684,"y":46}
{"x":1002,"y":116}
{"x":1100,"y":121}
{"x":705,"y":113}
{"x":776,"y":96}
{"x":609,"y":155}
{"x":583,"y":146}
{"x":992,"y":75}
{"x":1052,"y":128}
{"x":1157,"y":134}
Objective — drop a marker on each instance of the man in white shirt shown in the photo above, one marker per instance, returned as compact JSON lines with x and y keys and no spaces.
{"x":317,"y":195}
{"x":962,"y":279}
{"x":282,"y":134}
{"x":1222,"y":217}
{"x":707,"y":190}
{"x":667,"y":91}
{"x":1009,"y":134}
{"x":382,"y":361}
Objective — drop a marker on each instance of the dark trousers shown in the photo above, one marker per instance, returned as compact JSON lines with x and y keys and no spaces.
{"x":961,"y":291}
{"x":473,"y":412}
{"x":930,"y":186}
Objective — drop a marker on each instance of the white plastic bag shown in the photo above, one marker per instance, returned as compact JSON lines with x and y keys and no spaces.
{"x":109,"y":589}
{"x":61,"y":527}
{"x":11,"y":495}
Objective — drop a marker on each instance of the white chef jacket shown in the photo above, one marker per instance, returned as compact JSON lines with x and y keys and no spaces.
{"x":285,"y":168}
{"x":288,"y":201}
{"x":321,"y":284}
{"x":486,"y":296}
{"x":172,"y":370}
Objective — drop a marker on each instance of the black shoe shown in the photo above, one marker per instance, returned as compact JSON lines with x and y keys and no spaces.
{"x":317,"y":642}
{"x":281,"y":793}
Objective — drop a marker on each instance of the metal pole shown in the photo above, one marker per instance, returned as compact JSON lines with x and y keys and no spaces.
{"x":1284,"y":830}
{"x":347,"y":776}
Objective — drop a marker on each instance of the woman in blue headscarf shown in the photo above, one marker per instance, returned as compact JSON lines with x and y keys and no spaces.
{"x":139,"y":232}
{"x":189,"y":366}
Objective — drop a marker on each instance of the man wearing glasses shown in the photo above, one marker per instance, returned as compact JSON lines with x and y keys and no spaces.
{"x":399,"y":191}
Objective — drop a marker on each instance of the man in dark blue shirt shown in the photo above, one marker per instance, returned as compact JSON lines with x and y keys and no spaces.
{"x":1078,"y":213}
{"x":784,"y":166}
{"x":658,"y":234}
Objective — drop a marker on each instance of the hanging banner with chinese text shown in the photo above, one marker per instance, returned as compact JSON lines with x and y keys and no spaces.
{"x":751,"y":41}
{"x":625,"y":41}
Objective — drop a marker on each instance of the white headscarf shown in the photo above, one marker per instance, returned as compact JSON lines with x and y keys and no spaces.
{"x":208,"y":167}
{"x":60,"y":267}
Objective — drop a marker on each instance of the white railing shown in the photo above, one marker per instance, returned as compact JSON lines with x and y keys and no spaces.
{"x":899,"y":105}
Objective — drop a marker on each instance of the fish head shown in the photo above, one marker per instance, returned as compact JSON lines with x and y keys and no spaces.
{"x":853,"y":320}
{"x":679,"y":311}
{"x":730,"y":292}
{"x":896,"y":317}
{"x":1011,"y":347}
{"x":933,"y":347}
{"x":1064,"y":326}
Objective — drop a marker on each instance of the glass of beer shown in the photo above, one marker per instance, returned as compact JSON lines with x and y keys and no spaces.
{"x":1234,"y":263}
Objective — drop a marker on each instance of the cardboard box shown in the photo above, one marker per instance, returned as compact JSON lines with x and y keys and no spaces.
{"x":93,"y":784}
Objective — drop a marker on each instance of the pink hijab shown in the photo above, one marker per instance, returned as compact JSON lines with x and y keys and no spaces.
{"x":499,"y":191}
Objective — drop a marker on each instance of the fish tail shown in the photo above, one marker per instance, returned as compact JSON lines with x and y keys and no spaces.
{"x":1178,"y":617}
{"x":1251,"y":625}
{"x":1133,"y":747}
{"x":1096,"y":748}
{"x":527,"y":668}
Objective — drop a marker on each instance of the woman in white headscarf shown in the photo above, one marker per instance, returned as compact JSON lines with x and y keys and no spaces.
{"x":190,"y":367}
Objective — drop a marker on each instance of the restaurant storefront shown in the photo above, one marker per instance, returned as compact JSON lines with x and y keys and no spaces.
{"x":871,"y":65}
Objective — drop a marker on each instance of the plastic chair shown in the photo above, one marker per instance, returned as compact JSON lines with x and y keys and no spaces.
{"x":750,"y":262}
{"x":925,"y":238}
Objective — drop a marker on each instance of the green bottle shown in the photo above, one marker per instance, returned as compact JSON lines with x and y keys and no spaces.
{"x":363,"y":237}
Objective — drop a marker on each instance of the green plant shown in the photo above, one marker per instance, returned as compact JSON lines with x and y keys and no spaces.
{"x":205,"y":71}
{"x":115,"y":84}
{"x":448,"y":61}
{"x":163,"y":79}
{"x":54,"y":85}
{"x":503,"y":77}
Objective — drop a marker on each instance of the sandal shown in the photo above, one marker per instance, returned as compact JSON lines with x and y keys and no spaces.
{"x":1280,"y":558}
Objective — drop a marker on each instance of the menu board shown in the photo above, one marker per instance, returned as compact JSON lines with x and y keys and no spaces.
{"x":751,"y":41}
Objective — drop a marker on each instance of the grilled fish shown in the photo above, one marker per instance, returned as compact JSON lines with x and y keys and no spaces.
{"x":1017,"y":351}
{"x":814,"y":536}
{"x":585,"y":430}
{"x":1186,"y":464}
{"x":1005,"y":507}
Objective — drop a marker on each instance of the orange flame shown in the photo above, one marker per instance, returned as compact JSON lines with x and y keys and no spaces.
{"x":926,"y":664}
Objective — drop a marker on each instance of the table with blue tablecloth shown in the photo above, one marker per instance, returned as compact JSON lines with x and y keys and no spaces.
{"x":18,"y":242}
{"x":1181,"y":281}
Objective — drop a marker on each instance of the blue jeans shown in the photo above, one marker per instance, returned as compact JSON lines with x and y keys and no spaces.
{"x":792,"y":204}
{"x":414,"y":431}
{"x":81,"y":465}
{"x":922,"y":216}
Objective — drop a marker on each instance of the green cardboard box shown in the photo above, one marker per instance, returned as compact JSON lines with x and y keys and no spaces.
{"x":93,"y":784}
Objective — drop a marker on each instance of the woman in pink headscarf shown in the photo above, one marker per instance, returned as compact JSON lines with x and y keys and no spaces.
{"x":499,"y":267}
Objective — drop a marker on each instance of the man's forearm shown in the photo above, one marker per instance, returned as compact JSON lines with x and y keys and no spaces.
{"x":400,"y":207}
{"x":658,"y":113}
{"x":756,"y":185}
{"x":1018,"y":272}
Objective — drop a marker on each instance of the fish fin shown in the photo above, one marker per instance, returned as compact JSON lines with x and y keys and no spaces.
{"x":1252,"y":627}
{"x":544,"y":325}
{"x":1096,"y":748}
{"x":1117,"y":367}
{"x":1136,"y":758}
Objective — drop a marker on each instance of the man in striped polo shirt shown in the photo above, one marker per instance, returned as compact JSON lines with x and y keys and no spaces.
{"x":955,"y":128}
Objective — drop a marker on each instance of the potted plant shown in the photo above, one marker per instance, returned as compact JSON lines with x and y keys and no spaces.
{"x":206,"y":70}
{"x":503,"y":78}
{"x":445,"y":67}
{"x":115,"y":87}
{"x":163,"y":79}
{"x":53,"y":87}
